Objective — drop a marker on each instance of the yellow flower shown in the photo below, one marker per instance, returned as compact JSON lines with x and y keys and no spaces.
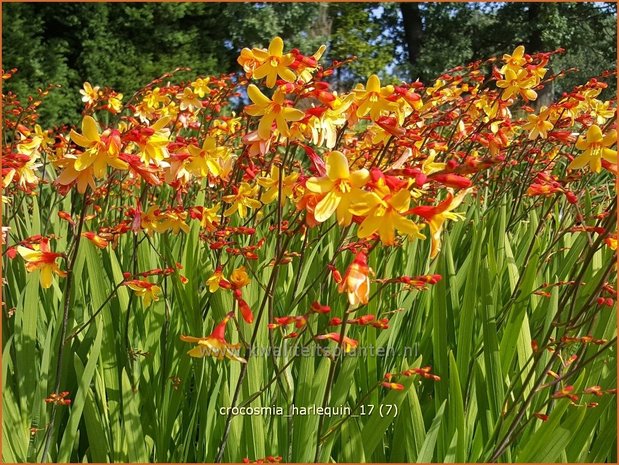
{"x":154,"y":220}
{"x":154,"y":98}
{"x":114,"y":103}
{"x":515,"y":61}
{"x":210,"y":217}
{"x":372,"y":98}
{"x":206,"y":160}
{"x":89,"y":93}
{"x":273,"y":63}
{"x":101,"y":149}
{"x":340,"y":186}
{"x":516,"y":83}
{"x":26,"y":172}
{"x":154,"y":141}
{"x":271,"y":110}
{"x":325,"y":128}
{"x":200,"y":87}
{"x":271,"y":183}
{"x":595,"y":146}
{"x":600,"y":111}
{"x":148,"y":292}
{"x":214,"y":280}
{"x":189,"y":100}
{"x":43,"y":135}
{"x":242,"y":200}
{"x":538,"y":125}
{"x":69,"y":174}
{"x":175,"y":221}
{"x":384,"y":212}
{"x":429,"y":166}
{"x":41,"y":258}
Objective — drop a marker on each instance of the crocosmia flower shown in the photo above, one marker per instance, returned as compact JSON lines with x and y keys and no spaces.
{"x":41,"y":258}
{"x":356,"y":281}
{"x":215,"y":345}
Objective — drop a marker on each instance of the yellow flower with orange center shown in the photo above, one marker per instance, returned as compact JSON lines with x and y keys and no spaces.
{"x":89,"y":93}
{"x":153,"y":141}
{"x":41,"y":258}
{"x":243,"y":199}
{"x":515,"y":61}
{"x":340,"y":188}
{"x":205,"y":160}
{"x":189,"y":100}
{"x":538,"y":125}
{"x":518,"y":82}
{"x":272,"y":183}
{"x":215,"y":345}
{"x":384,"y":213}
{"x":275,"y":110}
{"x":372,"y":99}
{"x":272,"y":63}
{"x":148,"y":292}
{"x":200,"y":87}
{"x":214,"y":281}
{"x":101,"y":151}
{"x":595,"y":146}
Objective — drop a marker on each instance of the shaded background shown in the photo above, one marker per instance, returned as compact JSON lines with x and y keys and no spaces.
{"x":126,"y":45}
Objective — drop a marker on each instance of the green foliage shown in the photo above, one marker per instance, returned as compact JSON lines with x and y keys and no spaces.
{"x":360,"y":30}
{"x":124,"y":45}
{"x":126,"y":407}
{"x":456,"y":33}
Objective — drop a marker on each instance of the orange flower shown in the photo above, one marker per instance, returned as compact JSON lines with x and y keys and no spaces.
{"x":349,"y":344}
{"x":40,"y":258}
{"x":436,"y":217}
{"x":95,"y":239}
{"x":239,"y":278}
{"x":394,"y":386}
{"x":356,"y":281}
{"x":214,"y":345}
{"x":58,"y":399}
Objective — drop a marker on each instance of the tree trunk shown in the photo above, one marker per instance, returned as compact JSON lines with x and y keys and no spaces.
{"x":413,"y":34}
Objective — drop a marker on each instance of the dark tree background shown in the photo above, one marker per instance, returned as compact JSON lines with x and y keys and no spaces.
{"x":126,"y":45}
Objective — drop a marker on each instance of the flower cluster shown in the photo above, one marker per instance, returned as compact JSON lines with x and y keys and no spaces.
{"x":258,"y":189}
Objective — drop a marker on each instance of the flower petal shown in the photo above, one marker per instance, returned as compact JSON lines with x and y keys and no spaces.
{"x":337,"y":166}
{"x":276,"y":47}
{"x":325,"y":208}
{"x":90,"y":128}
{"x":257,"y":96}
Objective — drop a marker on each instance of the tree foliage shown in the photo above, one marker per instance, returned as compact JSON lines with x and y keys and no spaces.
{"x":125,"y":45}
